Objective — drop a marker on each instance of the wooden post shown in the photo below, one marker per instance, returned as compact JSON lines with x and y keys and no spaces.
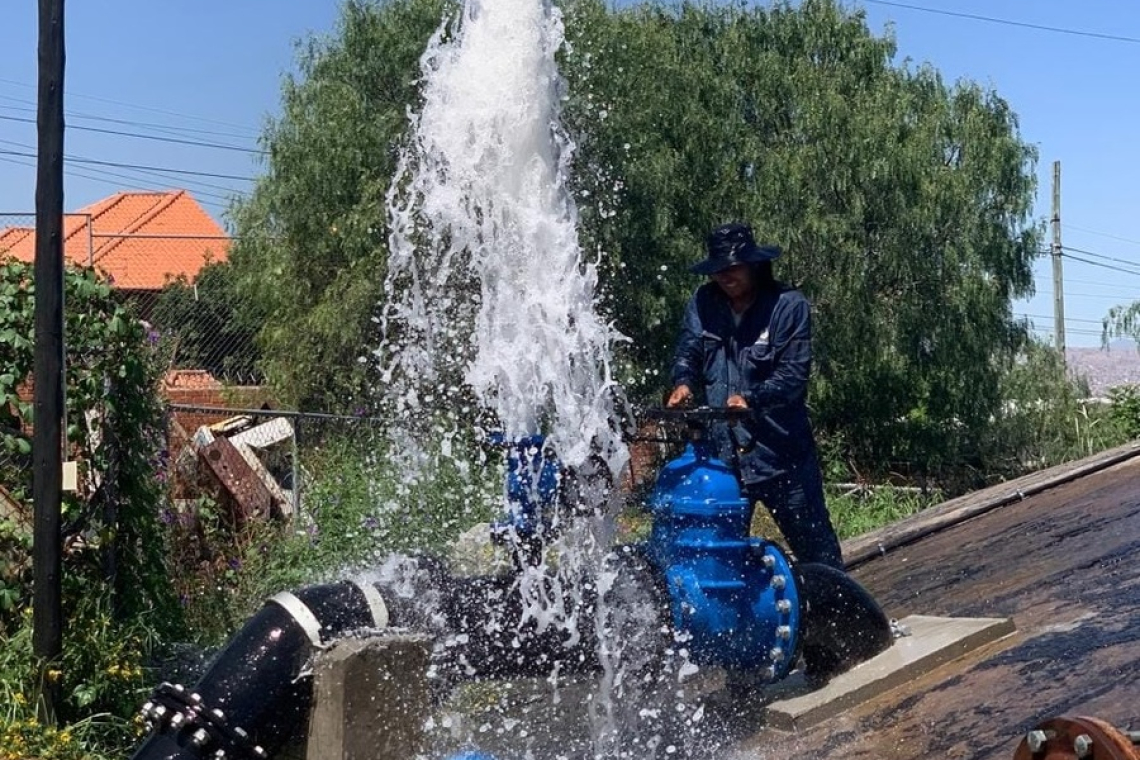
{"x":1058,"y":278}
{"x":47,"y":372}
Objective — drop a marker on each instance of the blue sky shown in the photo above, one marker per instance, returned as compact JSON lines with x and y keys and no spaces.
{"x":209,"y":72}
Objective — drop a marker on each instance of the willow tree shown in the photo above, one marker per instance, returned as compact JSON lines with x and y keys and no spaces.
{"x":312,"y":239}
{"x":902,"y":203}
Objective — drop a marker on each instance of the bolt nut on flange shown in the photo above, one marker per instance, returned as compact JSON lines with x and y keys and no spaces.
{"x":1077,"y":738}
{"x":1035,"y":740}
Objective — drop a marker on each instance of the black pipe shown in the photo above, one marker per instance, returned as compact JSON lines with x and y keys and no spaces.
{"x":250,"y":700}
{"x":842,"y":623}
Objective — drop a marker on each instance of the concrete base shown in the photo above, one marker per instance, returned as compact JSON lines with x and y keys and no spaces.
{"x":370,"y":698}
{"x":933,"y":641}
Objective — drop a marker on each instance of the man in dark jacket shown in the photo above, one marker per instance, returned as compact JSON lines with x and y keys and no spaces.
{"x":746,"y":343}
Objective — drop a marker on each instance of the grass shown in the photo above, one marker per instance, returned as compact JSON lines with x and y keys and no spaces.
{"x":854,"y":513}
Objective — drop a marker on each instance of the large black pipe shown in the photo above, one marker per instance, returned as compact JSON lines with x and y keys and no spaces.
{"x":842,"y":623}
{"x":252,"y":696}
{"x":249,"y":701}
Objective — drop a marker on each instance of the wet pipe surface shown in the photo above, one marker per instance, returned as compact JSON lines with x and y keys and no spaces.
{"x":1065,"y":565}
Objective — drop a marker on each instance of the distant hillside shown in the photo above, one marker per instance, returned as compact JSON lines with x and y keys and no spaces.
{"x":1119,"y":364}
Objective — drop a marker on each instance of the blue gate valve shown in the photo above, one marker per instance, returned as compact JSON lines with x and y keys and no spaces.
{"x":733,"y":595}
{"x":534,"y":476}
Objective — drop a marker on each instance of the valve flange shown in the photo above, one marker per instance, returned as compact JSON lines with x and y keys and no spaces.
{"x":1078,"y":738}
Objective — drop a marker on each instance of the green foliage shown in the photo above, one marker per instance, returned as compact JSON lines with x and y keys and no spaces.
{"x":856,"y":512}
{"x":902,"y":204}
{"x":15,"y":567}
{"x":312,"y":236}
{"x":1124,"y":410}
{"x":357,"y":510}
{"x":1122,"y":321}
{"x":114,"y":429}
{"x":116,"y":595}
{"x":1045,"y":419}
{"x":23,"y":735}
{"x":210,"y":325}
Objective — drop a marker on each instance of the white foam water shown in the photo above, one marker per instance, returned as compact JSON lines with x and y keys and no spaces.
{"x":490,"y":316}
{"x":487,"y":288}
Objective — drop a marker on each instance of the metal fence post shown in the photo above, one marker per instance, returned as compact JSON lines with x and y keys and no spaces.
{"x":296,"y":465}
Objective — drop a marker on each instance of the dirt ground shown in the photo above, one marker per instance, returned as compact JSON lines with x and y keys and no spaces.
{"x":1065,"y":566}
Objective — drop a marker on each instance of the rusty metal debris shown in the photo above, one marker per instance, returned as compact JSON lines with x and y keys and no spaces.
{"x":240,"y":455}
{"x":239,"y":479}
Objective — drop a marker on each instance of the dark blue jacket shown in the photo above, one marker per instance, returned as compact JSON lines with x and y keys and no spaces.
{"x":766,"y":359}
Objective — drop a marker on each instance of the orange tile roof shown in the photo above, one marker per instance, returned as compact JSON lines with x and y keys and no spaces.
{"x":143,"y":262}
{"x":190,"y":378}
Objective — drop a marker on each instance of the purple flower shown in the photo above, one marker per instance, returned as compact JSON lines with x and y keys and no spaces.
{"x":234,"y":563}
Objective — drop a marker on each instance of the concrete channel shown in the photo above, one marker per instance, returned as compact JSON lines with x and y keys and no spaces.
{"x":1058,"y":553}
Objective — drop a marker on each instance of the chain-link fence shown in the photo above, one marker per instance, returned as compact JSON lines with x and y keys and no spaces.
{"x":18,"y":237}
{"x":172,"y":282}
{"x":167,"y":280}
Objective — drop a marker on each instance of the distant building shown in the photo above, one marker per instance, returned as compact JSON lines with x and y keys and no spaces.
{"x":140,"y":240}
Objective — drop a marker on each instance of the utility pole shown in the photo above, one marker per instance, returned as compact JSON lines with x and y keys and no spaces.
{"x":1058,"y":278}
{"x":47,"y":370}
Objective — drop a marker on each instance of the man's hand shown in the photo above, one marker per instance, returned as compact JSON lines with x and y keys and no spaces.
{"x":682,"y":395}
{"x":736,"y":402}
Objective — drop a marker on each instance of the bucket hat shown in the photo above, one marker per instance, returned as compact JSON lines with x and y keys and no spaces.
{"x":732,"y":244}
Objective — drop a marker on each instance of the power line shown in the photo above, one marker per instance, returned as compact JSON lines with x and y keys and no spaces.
{"x":132,"y":105}
{"x":1102,"y":234}
{"x":1099,"y":264}
{"x":159,"y":172}
{"x":140,"y":136}
{"x":135,"y":182}
{"x":1096,"y":255}
{"x":29,"y":107}
{"x":1008,"y":22}
{"x":1072,"y":330}
{"x":1101,"y":296}
{"x":1100,"y":284}
{"x":140,"y":167}
{"x":1067,"y":319}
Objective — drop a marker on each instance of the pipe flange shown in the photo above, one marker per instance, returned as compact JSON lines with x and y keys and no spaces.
{"x":1077,"y":738}
{"x":172,"y":708}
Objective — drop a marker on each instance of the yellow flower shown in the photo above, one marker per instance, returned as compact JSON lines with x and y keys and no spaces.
{"x":65,"y":737}
{"x":53,"y":675}
{"x":20,"y":698}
